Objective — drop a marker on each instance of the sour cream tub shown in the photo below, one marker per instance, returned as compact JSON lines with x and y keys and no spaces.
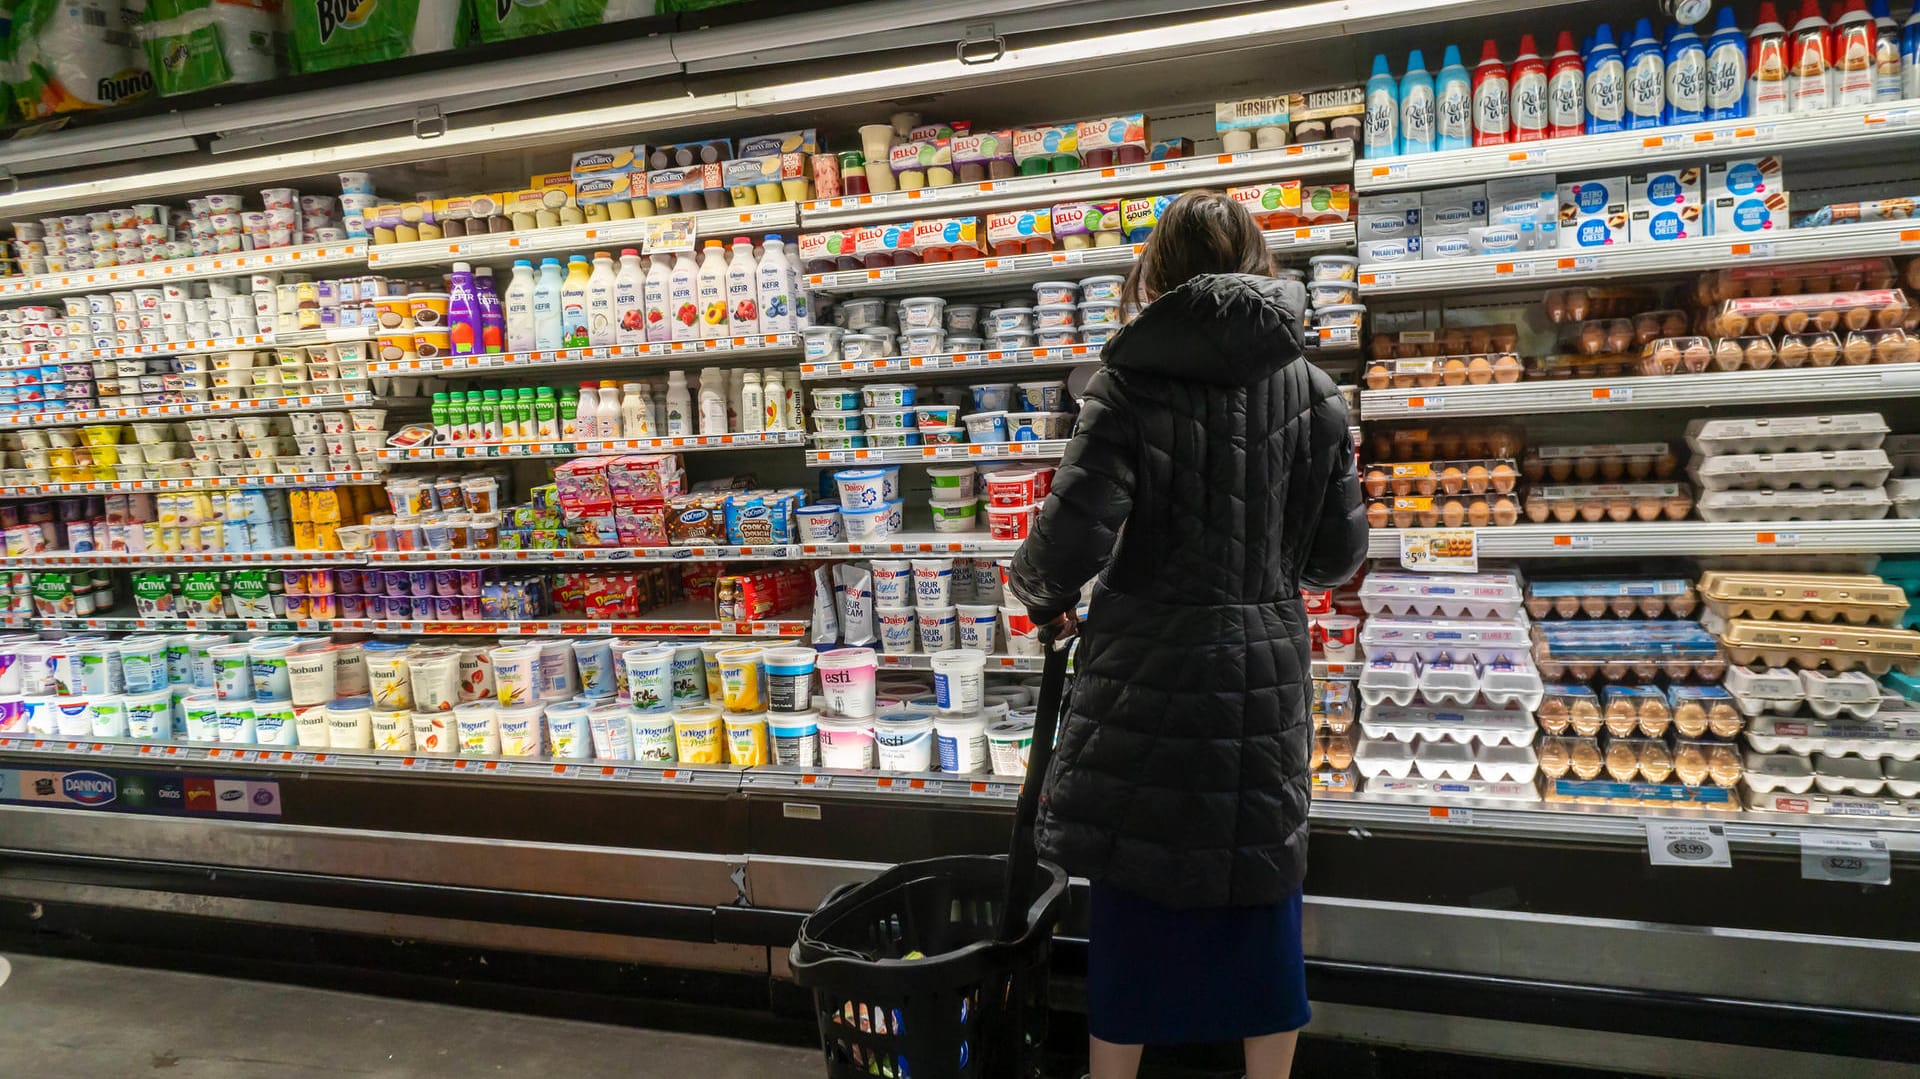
{"x":820,"y":523}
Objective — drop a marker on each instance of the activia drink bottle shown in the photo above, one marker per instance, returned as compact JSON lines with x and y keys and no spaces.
{"x":493,"y":321}
{"x":1491,"y":120}
{"x":463,"y":312}
{"x":1528,"y":110}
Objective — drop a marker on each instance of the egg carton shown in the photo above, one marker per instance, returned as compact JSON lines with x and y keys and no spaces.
{"x":1872,"y":739}
{"x":1444,"y":680}
{"x":1448,"y":441}
{"x":1591,"y":302}
{"x":1616,"y":502}
{"x":1424,"y":791}
{"x":1826,"y":275}
{"x":1810,"y":312}
{"x":1788,"y":434}
{"x":1904,"y":453}
{"x":1632,"y":760}
{"x":1599,"y":336}
{"x":1826,"y":504}
{"x":1452,"y":341}
{"x":1856,"y":599}
{"x":1855,"y":775}
{"x":1485,"y":726}
{"x":1334,"y":781}
{"x":1471,"y":476}
{"x":1904,"y":494}
{"x":1486,"y":641}
{"x":1601,"y":597}
{"x":1751,"y":353}
{"x":1626,"y":649}
{"x":1848,"y":808}
{"x":1452,"y":761}
{"x":1875,"y":650}
{"x":1677,"y":355}
{"x":1783,"y":692}
{"x":1332,"y":750}
{"x":1768,"y":773}
{"x":1894,"y":345}
{"x":1610,"y":462}
{"x":1476,"y":595}
{"x":1422,"y":372}
{"x":1778,"y":471}
{"x":1452,"y":511}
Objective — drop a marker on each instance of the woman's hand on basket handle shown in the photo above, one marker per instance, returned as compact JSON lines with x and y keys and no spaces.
{"x":1064,"y":627}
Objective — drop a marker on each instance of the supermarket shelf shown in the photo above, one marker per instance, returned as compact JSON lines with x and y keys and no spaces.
{"x":1010,"y":269}
{"x":297,"y":339}
{"x":576,"y":239}
{"x":1843,"y":129}
{"x":1778,"y":386}
{"x":193,"y":483}
{"x":1347,"y":670}
{"x":144,"y":559}
{"x":1213,"y":170}
{"x":919,"y":661}
{"x":309,"y":403}
{"x":595,"y":449}
{"x":1622,"y":827}
{"x":957,"y":363}
{"x":993,"y":451}
{"x":768,"y":347}
{"x":680,"y":621}
{"x":310,"y":257}
{"x":956,"y":544}
{"x":1552,"y":268}
{"x":1579,"y":539}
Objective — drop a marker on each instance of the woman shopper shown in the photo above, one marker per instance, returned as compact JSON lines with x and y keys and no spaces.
{"x":1210,"y":476}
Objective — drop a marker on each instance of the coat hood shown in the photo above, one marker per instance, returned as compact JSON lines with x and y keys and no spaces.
{"x":1224,"y":329}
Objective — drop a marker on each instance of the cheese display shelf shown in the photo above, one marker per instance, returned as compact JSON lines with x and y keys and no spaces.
{"x":540,"y":475}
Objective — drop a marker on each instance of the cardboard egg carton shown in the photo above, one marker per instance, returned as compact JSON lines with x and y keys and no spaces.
{"x":1777,"y":471}
{"x":1786,"y":693}
{"x":1857,"y":599}
{"x":1884,"y":736}
{"x":1904,"y":494}
{"x":1616,"y":502}
{"x":1481,"y":726}
{"x":1904,"y":452}
{"x":1873,"y":649}
{"x":1850,"y":808}
{"x":1823,"y":504}
{"x":1788,"y":434}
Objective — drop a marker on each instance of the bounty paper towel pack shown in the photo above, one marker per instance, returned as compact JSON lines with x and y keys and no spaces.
{"x":194,"y":45}
{"x":505,"y":20}
{"x":332,"y":34}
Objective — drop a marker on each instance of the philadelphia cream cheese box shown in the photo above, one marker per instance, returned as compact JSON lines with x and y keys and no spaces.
{"x":1499,"y":240}
{"x":1397,"y":249}
{"x":1451,"y":211}
{"x":1449,"y":246}
{"x":1744,"y":176}
{"x":1528,"y":204}
{"x":1593,"y":213}
{"x":1388,"y":217}
{"x":1664,"y":204}
{"x":1748,"y":215}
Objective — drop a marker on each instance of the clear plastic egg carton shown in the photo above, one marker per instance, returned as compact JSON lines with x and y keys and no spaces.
{"x":1426,"y":640}
{"x":1426,"y":372}
{"x":1482,"y":726}
{"x":1333,"y":705}
{"x":1618,"y":502}
{"x":1378,"y":758}
{"x":1476,"y":476}
{"x":1454,"y":595}
{"x":1502,"y":683}
{"x":1610,"y":597}
{"x":1565,"y":365}
{"x":1333,"y":750}
{"x":1822,"y":504}
{"x":1591,"y":302}
{"x":1502,"y":337}
{"x":1448,"y":442}
{"x":1894,"y":345}
{"x":1873,"y":649}
{"x":1751,"y":353}
{"x":1426,"y":791}
{"x":1812,"y":312}
{"x":1892,"y":734}
{"x":1782,"y":692}
{"x":1677,"y":355}
{"x":1826,"y":275}
{"x":1855,"y":599}
{"x":1689,"y":711}
{"x":1451,"y":511}
{"x":1778,"y":471}
{"x":1788,"y":434}
{"x":1603,"y":462}
{"x":1594,"y":337}
{"x":1650,"y":760}
{"x":1820,"y":348}
{"x":1622,"y":650}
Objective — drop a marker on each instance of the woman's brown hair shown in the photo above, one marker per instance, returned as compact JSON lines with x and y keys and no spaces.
{"x":1201,"y":232}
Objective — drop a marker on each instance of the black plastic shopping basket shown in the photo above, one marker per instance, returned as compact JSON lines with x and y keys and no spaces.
{"x":972,"y":1003}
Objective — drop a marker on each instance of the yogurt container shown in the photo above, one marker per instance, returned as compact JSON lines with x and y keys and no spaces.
{"x":987,"y":427}
{"x":894,"y":440}
{"x":848,"y":681}
{"x":1008,"y":746}
{"x":789,"y":679}
{"x":836,"y":399}
{"x":866,"y":525}
{"x":1103,"y":289}
{"x":1038,"y":426}
{"x":961,"y":742}
{"x":837,"y":421}
{"x":963,"y":318}
{"x":864,"y":313}
{"x":943,"y":436}
{"x":903,"y":741}
{"x":886,"y":395}
{"x":921,"y":313}
{"x":794,"y":739}
{"x":956,"y":516}
{"x":861,"y":488}
{"x":821,"y":344}
{"x":845,"y":743}
{"x":889,"y":419}
{"x":936,"y":415}
{"x":1005,"y":321}
{"x":992,"y":396}
{"x":951,"y":483}
{"x":1049,"y":293}
{"x":840,"y":442}
{"x":1047,"y":396}
{"x":923,"y":342}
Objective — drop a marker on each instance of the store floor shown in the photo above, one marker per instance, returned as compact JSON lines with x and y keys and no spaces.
{"x":67,"y":1017}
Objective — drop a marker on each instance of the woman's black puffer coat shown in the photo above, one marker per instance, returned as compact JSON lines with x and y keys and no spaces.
{"x":1210,"y":476}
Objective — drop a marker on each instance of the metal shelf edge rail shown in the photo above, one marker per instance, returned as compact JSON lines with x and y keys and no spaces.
{"x":315,"y":256}
{"x":1777,"y":386}
{"x":752,"y":347}
{"x":576,"y":239}
{"x":1679,"y":538}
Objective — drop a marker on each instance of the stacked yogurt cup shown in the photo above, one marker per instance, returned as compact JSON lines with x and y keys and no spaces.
{"x":216,"y":224}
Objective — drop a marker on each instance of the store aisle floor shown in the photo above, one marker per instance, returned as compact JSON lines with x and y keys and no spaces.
{"x":66,"y":1017}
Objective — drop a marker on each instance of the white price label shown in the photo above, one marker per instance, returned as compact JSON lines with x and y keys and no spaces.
{"x":1526,"y":159}
{"x":1449,"y":815}
{"x":1688,"y":843}
{"x":1845,"y":856}
{"x":1579,"y":264}
{"x":1752,"y":251}
{"x":1447,"y":550}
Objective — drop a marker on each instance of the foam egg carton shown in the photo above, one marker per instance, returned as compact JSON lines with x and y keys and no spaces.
{"x":1451,"y":761}
{"x":1787,"y":434}
{"x":1873,"y":649}
{"x":1486,"y":726}
{"x":1871,"y":739}
{"x":1783,"y":692}
{"x":1477,"y":595}
{"x":1781,"y":772}
{"x":1486,"y":641}
{"x":1903,"y":452}
{"x":1857,"y":599}
{"x":1905,"y":496}
{"x":1848,"y":775}
{"x":1753,"y":471}
{"x":1852,"y":808}
{"x":1415,"y":789}
{"x":1503,"y":683}
{"x":1825,"y":504}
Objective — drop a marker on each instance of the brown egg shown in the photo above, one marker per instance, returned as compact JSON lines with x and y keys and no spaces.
{"x":1793,"y":352}
{"x":1690,"y":719}
{"x":1585,"y":468}
{"x":1656,"y":764}
{"x":1479,"y":339}
{"x":1818,"y":283}
{"x":1824,"y":351}
{"x":1532,"y":466}
{"x":1645,"y":329}
{"x":1654,"y":606}
{"x":1890,"y":348}
{"x":1319,"y":755}
{"x":1554,"y":758}
{"x":1593,"y":606}
{"x":1377,"y":514}
{"x":1449,"y":444}
{"x":1792,"y":322}
{"x":1476,"y":479}
{"x":1666,"y":465}
{"x":1695,"y":357}
{"x":1612,"y":468}
{"x":1729,"y":325}
{"x":1377,"y":377}
{"x":1479,"y":370}
{"x":1619,"y":509}
{"x":1381,"y":345}
{"x":1402,"y":379}
{"x":1556,"y":305}
{"x":1584,"y":717}
{"x":1623,"y":763}
{"x":1477,"y":514}
{"x":1723,"y":764}
{"x":1856,"y":318}
{"x":1376,"y":482}
{"x":1536,"y":509}
{"x":1760,"y":286}
{"x":1504,"y":478}
{"x":1505,"y":512}
{"x":1728,"y":355}
{"x":1453,"y":342}
{"x":1621,"y":716}
{"x":1539,"y":606}
{"x":1427,"y":379}
{"x":1452,"y":513}
{"x":1666,"y":357}
{"x":1579,"y":304}
{"x":1452,"y":479}
{"x":1402,"y":517}
{"x":1586,"y":760}
{"x":1857,"y":349}
{"x":1766,"y":325}
{"x":1646,"y":508}
{"x":1674,"y":323}
{"x":1560,"y":469}
{"x":1619,"y":335}
{"x":1691,"y":764}
{"x":1503,"y":336}
{"x":1339,"y":750}
{"x":1428,"y":516}
{"x":1424,"y":486}
{"x":1760,"y":353}
{"x":1723,"y":721}
{"x":1507,"y":368}
{"x":1890,"y":316}
{"x":1620,"y":606}
{"x":1639,"y":468}
{"x":1564,"y":509}
{"x":1400,"y":485}
{"x":1453,"y":372}
{"x":1911,"y":353}
{"x":1552,"y":715}
{"x":1502,"y":442}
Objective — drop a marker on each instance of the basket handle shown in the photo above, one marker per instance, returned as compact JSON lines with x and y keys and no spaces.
{"x":1021,"y":855}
